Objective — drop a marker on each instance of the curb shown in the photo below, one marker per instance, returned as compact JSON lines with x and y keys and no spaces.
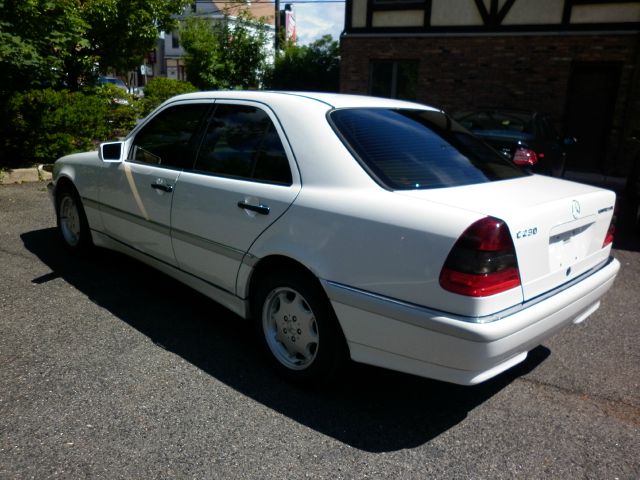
{"x":39,"y":173}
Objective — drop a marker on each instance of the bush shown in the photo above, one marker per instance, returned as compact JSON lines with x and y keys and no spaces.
{"x":43,"y":125}
{"x":124,"y":109}
{"x":160,"y":89}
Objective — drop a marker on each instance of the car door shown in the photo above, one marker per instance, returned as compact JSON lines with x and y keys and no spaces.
{"x":136,"y":194}
{"x":245,"y":177}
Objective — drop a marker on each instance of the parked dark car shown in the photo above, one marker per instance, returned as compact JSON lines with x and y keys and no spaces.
{"x":529,"y":139}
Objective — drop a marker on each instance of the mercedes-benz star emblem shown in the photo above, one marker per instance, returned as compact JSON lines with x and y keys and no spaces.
{"x":575,"y":209}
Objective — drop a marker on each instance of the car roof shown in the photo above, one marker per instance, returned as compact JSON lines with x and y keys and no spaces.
{"x":333,"y":100}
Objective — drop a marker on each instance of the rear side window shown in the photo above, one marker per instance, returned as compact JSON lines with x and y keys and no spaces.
{"x":242,"y":142}
{"x":416,"y":149}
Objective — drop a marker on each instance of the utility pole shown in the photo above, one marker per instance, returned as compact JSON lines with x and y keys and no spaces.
{"x":276,"y":42}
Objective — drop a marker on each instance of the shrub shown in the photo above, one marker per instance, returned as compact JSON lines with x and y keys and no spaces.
{"x":43,"y":125}
{"x":160,"y":89}
{"x":124,"y":109}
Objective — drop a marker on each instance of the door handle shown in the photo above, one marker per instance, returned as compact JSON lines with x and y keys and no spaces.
{"x":261,"y":209}
{"x":163,"y":187}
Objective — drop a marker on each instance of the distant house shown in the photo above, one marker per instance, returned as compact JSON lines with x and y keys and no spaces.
{"x":578,"y":60}
{"x":173,"y":54}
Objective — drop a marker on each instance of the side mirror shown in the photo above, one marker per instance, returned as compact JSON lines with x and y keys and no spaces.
{"x":111,"y":152}
{"x":569,"y":141}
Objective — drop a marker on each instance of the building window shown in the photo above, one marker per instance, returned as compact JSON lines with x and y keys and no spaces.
{"x":175,"y":43}
{"x":393,"y":79}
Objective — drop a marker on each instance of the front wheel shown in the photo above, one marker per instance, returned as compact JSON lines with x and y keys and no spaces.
{"x":72,"y":221}
{"x":297,"y":328}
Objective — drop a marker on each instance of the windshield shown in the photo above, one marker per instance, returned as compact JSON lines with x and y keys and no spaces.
{"x":418,"y":149}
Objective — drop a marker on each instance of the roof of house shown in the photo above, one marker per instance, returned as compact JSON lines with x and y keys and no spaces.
{"x":259,"y":9}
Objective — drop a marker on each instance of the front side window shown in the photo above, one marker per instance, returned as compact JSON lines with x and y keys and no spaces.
{"x":417,"y":149}
{"x":397,"y":79}
{"x":170,"y":138}
{"x":242,"y":142}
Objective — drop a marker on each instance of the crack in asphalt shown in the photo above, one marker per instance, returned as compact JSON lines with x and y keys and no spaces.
{"x":16,"y":254}
{"x":614,"y":408}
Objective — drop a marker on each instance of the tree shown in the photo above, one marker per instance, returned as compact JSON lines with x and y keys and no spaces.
{"x":37,"y":39}
{"x":225,"y":53}
{"x":309,"y":67}
{"x":63,"y":42}
{"x":121,"y":32}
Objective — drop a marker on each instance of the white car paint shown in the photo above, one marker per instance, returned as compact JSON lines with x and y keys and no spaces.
{"x":378,"y":253}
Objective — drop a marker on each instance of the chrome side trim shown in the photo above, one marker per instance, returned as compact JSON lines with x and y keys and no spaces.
{"x":91,"y":203}
{"x":157,"y":260}
{"x":250,"y":260}
{"x":204,"y":243}
{"x":416,"y":314}
{"x":143,"y":222}
{"x":207,"y":244}
{"x":224,"y":297}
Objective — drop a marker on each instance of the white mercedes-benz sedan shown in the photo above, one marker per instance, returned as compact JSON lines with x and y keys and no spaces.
{"x":347,"y":226}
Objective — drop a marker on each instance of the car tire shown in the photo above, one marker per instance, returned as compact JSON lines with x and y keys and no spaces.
{"x":297,"y":328}
{"x":72,"y":221}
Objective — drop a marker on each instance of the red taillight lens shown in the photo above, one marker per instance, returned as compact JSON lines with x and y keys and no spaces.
{"x":525,"y":157}
{"x":482,"y":262}
{"x":608,"y":238}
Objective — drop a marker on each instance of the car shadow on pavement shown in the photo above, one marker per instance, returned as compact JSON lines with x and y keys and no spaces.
{"x":368,"y":408}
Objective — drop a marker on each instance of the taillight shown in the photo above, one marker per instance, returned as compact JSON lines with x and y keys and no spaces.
{"x":482,"y":262}
{"x":608,"y":238}
{"x":525,"y":157}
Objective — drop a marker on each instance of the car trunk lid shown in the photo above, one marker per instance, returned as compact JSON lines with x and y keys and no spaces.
{"x":558,"y":227}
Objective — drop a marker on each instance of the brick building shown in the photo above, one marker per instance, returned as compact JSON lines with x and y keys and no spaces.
{"x":578,"y":60}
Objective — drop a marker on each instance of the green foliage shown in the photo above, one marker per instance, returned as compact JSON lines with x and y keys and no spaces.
{"x":124,"y":109}
{"x":46,"y":124}
{"x":160,"y":89}
{"x":121,"y":32}
{"x":225,"y":54}
{"x":64,"y":42}
{"x":37,"y":41}
{"x":313,"y":67}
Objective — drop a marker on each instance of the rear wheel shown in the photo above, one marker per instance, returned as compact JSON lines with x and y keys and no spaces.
{"x":72,"y":221}
{"x":297,"y":327}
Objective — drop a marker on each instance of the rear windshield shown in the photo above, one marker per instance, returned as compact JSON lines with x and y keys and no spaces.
{"x":418,"y":149}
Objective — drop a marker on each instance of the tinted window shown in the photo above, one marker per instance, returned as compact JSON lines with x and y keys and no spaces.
{"x":169,"y":139}
{"x":414,"y":149}
{"x":242,"y":142}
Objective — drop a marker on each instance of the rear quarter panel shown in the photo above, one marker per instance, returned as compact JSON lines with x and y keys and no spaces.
{"x":379,"y":242}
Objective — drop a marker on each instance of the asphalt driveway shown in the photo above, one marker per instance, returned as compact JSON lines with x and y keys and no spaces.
{"x":109,"y":369}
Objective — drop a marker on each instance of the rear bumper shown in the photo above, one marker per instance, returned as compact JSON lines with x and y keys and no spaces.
{"x":416,"y":340}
